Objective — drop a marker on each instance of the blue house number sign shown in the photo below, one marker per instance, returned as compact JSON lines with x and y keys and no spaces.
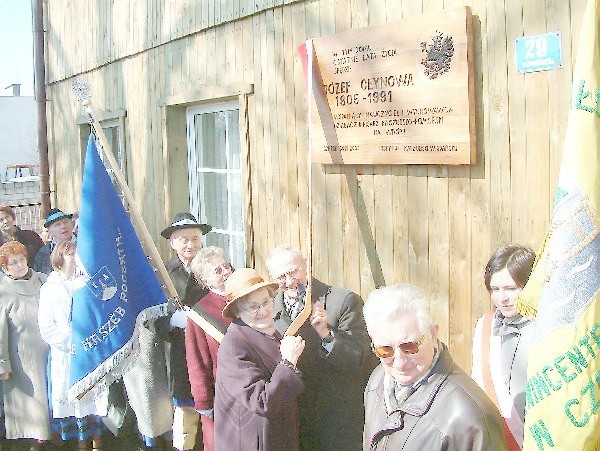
{"x":538,"y":52}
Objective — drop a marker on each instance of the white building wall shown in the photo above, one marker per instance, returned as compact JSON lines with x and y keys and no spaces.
{"x":18,"y":135}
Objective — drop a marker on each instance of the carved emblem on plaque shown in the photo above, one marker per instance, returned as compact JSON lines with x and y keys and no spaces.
{"x":438,"y":55}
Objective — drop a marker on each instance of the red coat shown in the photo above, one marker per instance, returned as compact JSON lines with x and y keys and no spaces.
{"x":255,"y":396}
{"x":201,"y":353}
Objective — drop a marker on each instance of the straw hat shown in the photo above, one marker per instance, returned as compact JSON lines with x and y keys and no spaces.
{"x":240,"y":283}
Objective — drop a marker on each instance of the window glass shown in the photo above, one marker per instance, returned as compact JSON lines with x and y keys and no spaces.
{"x":114,"y":137}
{"x":213,"y":187}
{"x":234,"y":140}
{"x":216,"y":196}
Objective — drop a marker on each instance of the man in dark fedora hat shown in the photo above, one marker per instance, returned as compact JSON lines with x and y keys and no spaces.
{"x":185,"y":237}
{"x":60,"y":228}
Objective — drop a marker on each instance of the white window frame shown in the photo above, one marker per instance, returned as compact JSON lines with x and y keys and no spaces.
{"x":197,"y":207}
{"x":107,"y":119}
{"x":119,"y":153}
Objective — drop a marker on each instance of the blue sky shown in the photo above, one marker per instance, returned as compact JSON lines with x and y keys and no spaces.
{"x":16,"y":46}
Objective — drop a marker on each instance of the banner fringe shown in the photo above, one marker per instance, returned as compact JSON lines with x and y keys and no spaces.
{"x":97,"y":382}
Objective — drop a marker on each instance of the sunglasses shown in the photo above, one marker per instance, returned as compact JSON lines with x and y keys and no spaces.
{"x":385,"y":352}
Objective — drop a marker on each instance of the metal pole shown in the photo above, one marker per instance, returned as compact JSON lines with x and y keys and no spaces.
{"x":39,"y":81}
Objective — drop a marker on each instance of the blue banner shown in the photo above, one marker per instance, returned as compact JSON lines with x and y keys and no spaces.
{"x":119,"y":288}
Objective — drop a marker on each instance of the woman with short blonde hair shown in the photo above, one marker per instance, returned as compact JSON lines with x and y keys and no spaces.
{"x":78,"y":420}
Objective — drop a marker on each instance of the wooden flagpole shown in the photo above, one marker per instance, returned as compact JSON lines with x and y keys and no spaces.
{"x":81,"y":90}
{"x":305,"y":313}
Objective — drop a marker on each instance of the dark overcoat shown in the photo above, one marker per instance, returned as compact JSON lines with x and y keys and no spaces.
{"x":331,"y":406}
{"x":41,"y":262}
{"x":189,"y":292}
{"x":255,"y":395}
{"x":31,"y":241}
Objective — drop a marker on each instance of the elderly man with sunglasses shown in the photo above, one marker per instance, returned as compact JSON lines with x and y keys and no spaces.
{"x":418,"y":398}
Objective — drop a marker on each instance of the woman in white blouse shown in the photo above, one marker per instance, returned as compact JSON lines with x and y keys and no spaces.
{"x":78,"y":420}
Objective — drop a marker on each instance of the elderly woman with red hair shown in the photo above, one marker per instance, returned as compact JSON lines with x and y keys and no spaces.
{"x":23,"y":353}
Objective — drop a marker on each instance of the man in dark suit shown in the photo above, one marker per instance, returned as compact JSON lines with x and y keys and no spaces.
{"x":336,"y":359}
{"x":185,"y":237}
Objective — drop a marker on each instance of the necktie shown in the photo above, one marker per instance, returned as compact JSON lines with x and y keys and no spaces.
{"x":294,"y":306}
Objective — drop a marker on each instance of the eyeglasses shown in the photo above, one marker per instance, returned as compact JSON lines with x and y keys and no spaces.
{"x":16,"y":261}
{"x":385,"y":352}
{"x":184,"y":240}
{"x":224,"y":267}
{"x":254,"y":308}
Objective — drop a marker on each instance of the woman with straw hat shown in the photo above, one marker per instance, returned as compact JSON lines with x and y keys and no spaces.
{"x":257,"y":383}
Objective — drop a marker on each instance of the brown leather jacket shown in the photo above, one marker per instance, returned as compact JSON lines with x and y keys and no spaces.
{"x":448,"y":411}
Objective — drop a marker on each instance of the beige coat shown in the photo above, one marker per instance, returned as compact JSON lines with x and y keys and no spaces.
{"x":24,"y":354}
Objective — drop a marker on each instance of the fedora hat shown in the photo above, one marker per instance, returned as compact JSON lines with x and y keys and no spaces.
{"x":185,"y":221}
{"x":240,"y":283}
{"x":54,"y":214}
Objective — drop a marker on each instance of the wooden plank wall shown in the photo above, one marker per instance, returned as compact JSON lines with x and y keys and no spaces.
{"x":433,"y":226}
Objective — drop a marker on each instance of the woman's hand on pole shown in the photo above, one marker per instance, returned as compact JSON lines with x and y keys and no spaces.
{"x":291,"y":348}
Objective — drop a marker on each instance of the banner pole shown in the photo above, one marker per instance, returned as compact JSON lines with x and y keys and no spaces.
{"x":307,"y":310}
{"x":81,"y":90}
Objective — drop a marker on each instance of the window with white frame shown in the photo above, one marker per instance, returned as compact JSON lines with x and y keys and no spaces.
{"x":113,"y":130}
{"x":215,"y":177}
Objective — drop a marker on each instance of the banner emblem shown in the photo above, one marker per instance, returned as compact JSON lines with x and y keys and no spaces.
{"x":103,"y":285}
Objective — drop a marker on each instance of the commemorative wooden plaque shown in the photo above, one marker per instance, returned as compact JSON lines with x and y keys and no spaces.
{"x":396,"y":93}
